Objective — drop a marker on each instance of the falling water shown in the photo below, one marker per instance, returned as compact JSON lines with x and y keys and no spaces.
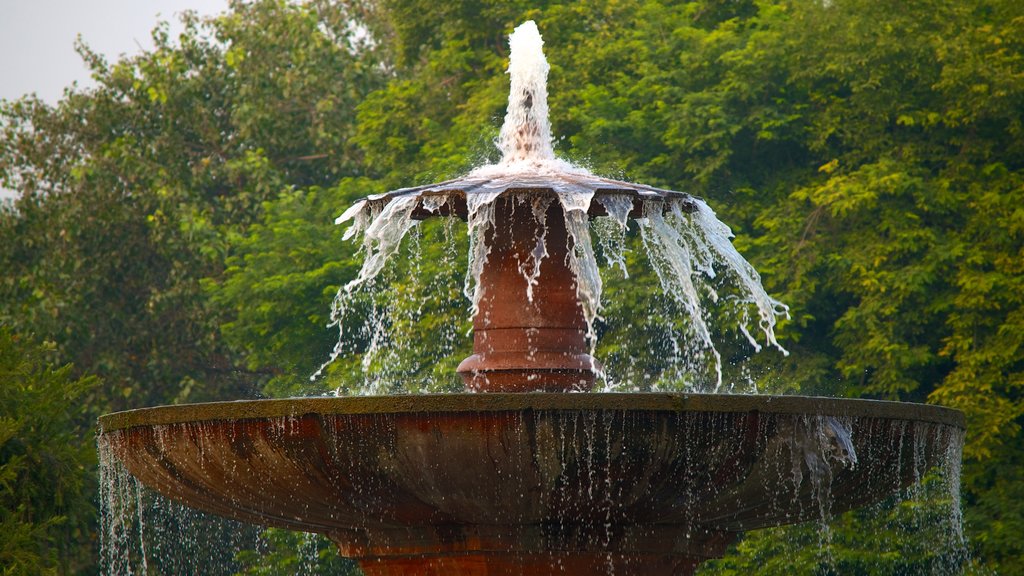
{"x":144,"y":533}
{"x":574,"y":473}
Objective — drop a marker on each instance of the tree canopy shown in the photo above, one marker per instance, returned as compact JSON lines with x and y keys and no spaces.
{"x":44,"y":467}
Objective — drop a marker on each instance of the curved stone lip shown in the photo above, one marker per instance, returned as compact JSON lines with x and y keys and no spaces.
{"x":472,"y":184}
{"x":531,"y":401}
{"x":522,"y":182}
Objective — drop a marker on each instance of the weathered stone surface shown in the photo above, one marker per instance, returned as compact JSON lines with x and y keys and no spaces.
{"x":499,"y":483}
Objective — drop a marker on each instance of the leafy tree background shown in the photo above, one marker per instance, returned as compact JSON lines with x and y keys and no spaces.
{"x":45,"y":468}
{"x":173,"y":231}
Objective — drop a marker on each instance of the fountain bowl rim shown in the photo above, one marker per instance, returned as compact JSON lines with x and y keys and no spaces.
{"x":535,"y":401}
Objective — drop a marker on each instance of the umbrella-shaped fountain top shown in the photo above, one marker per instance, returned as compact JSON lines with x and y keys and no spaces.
{"x":534,"y":280}
{"x":545,"y":482}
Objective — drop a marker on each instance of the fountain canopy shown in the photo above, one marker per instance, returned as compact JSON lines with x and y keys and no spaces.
{"x":535,"y":286}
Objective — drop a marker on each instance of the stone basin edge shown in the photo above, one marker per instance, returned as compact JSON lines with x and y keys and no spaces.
{"x":518,"y":402}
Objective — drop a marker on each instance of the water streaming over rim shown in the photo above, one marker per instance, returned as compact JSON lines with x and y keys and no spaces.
{"x":689,"y":248}
{"x":583,"y":472}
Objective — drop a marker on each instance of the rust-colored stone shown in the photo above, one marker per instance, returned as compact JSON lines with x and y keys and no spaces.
{"x":523,"y":343}
{"x":484,"y":484}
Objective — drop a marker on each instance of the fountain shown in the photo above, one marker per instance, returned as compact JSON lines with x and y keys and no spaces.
{"x":522,"y":474}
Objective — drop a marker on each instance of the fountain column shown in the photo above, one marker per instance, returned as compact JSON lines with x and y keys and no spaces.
{"x":528,"y":340}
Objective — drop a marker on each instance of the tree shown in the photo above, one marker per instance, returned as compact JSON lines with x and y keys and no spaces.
{"x":129,"y":191}
{"x":47,"y":463}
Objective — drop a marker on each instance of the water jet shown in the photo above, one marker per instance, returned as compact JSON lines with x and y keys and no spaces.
{"x":528,"y":471}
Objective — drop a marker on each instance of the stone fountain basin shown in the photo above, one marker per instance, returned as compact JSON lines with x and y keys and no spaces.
{"x":649,"y":474}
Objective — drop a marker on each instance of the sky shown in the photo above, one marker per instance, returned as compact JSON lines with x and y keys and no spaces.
{"x":37,"y":39}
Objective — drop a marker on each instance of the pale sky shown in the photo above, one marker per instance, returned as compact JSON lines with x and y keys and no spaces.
{"x":37,"y":38}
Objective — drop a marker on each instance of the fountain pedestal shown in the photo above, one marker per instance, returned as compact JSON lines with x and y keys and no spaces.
{"x":528,"y":337}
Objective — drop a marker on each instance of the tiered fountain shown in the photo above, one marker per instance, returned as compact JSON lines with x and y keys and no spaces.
{"x":520,"y":475}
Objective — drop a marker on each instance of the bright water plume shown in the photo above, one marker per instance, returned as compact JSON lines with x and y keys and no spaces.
{"x":526,"y":134}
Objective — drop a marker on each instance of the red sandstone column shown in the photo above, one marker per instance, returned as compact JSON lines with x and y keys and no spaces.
{"x":521,"y":345}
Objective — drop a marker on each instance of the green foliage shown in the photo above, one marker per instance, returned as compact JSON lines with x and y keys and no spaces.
{"x":281,"y":279}
{"x":287,"y":553}
{"x":991,"y":513}
{"x":132,"y":192}
{"x":47,"y":463}
{"x":870,"y":541}
{"x":407,"y":330}
{"x":279,"y":282}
